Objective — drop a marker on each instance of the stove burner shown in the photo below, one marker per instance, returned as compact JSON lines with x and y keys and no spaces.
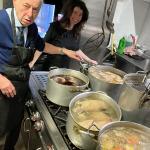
{"x":59,"y":114}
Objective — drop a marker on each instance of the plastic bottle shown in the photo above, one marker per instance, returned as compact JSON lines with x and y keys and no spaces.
{"x":121,"y":46}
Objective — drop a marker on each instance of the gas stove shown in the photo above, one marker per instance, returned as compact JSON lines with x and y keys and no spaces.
{"x":53,"y":116}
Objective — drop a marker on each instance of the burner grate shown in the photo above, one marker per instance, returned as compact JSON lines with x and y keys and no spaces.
{"x":59,"y":114}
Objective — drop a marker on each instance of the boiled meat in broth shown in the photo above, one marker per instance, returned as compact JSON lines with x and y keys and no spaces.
{"x":105,"y":75}
{"x":100,"y":116}
{"x":68,"y":80}
{"x":89,"y":105}
{"x":97,"y":112}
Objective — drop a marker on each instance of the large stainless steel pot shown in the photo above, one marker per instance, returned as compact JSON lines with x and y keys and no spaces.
{"x":111,"y":89}
{"x":135,"y":87}
{"x":128,"y":124}
{"x":134,"y":99}
{"x":82,"y":137}
{"x":62,"y":94}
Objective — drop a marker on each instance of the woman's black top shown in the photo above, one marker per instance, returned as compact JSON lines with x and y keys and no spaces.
{"x":60,"y":37}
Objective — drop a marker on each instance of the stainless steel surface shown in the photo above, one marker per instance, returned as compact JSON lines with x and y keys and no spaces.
{"x":34,"y":138}
{"x":133,"y":85}
{"x":134,"y":104}
{"x":38,"y":81}
{"x":130,"y":65}
{"x":80,"y":136}
{"x":62,"y":94}
{"x":144,"y":53}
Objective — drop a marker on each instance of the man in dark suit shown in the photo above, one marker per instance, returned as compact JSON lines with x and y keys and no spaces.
{"x":18,"y":41}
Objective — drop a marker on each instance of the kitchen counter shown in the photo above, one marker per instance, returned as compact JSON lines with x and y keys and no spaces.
{"x":129,"y":64}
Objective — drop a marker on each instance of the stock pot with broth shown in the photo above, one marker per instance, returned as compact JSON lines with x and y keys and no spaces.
{"x":124,"y":135}
{"x":134,"y":99}
{"x":88,"y":112}
{"x":63,"y":84}
{"x":107,"y":79}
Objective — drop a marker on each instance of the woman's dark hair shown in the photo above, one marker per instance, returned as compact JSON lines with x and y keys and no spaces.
{"x":67,"y":12}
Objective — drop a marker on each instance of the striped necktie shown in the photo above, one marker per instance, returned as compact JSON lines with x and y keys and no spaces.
{"x":20,"y":37}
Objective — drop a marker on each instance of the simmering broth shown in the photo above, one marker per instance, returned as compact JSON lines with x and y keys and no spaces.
{"x":107,"y":76}
{"x":68,"y":80}
{"x":88,"y":111}
{"x":124,"y":138}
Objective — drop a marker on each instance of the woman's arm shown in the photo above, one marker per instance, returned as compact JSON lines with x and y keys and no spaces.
{"x":51,"y":49}
{"x":37,"y":54}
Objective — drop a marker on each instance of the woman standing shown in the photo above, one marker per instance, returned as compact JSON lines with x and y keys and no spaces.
{"x":65,"y":33}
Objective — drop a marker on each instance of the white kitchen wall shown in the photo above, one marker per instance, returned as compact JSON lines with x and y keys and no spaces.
{"x":124,"y":22}
{"x":132,"y":17}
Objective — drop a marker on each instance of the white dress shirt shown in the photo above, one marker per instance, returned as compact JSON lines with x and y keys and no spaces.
{"x":17,"y":23}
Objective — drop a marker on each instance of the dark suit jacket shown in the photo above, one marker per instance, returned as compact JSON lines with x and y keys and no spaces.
{"x":6,"y":38}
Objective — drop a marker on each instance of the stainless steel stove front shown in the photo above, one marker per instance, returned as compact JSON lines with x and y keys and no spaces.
{"x":38,"y":82}
{"x":34,"y":134}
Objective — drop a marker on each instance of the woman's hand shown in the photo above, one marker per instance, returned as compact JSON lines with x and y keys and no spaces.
{"x":85,"y":58}
{"x":6,"y":87}
{"x":71,"y":54}
{"x":78,"y":55}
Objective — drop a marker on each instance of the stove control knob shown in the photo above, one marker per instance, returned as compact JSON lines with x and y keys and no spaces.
{"x":29,"y":103}
{"x":39,"y":125}
{"x":35,"y":116}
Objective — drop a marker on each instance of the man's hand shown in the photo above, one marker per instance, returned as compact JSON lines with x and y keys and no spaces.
{"x":37,"y":54}
{"x":31,"y":64}
{"x":6,"y":87}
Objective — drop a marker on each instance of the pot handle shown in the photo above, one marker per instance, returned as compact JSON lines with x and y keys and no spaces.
{"x":84,"y":66}
{"x":53,"y":67}
{"x":101,"y":92}
{"x":79,"y":90}
{"x":140,"y":72}
{"x":88,"y":132}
